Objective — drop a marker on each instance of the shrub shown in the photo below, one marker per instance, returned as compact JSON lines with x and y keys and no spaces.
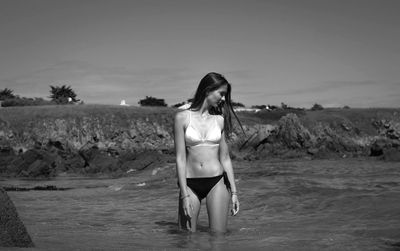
{"x":25,"y":102}
{"x":152,"y":101}
{"x":259,"y":106}
{"x":237,"y":104}
{"x":316,"y":107}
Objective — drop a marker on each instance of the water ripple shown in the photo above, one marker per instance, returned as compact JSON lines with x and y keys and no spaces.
{"x":347,"y":204}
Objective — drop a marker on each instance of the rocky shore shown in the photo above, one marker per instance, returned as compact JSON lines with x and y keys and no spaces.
{"x":293,"y":136}
{"x":93,"y":140}
{"x":13,"y":232}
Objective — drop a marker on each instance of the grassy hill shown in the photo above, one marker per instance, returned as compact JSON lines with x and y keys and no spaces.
{"x":362,"y":118}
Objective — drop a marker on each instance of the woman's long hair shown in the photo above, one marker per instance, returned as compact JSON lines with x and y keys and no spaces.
{"x":211,"y":82}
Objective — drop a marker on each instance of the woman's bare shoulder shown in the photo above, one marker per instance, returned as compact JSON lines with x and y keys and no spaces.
{"x":181,"y":116}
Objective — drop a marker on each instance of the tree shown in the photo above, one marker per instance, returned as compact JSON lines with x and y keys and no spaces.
{"x":6,"y":94}
{"x":316,"y":107}
{"x":237,"y":104}
{"x":152,"y":101}
{"x":63,"y":94}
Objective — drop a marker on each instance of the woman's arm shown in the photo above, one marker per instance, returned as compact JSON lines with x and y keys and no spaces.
{"x":226,"y":162}
{"x":180,"y":151}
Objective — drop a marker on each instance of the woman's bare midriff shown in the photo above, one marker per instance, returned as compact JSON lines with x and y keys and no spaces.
{"x":203,"y":161}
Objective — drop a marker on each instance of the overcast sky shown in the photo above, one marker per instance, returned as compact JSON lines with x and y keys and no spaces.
{"x":300,"y":52}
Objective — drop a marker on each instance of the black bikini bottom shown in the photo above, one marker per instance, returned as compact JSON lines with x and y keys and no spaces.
{"x":202,"y":186}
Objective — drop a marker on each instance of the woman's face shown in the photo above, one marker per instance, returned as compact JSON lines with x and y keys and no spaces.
{"x":215,"y":97}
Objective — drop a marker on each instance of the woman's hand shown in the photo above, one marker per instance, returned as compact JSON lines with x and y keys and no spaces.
{"x":187,"y":206}
{"x":235,"y":204}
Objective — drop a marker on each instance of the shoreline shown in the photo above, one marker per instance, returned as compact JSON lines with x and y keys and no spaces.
{"x":95,"y":140}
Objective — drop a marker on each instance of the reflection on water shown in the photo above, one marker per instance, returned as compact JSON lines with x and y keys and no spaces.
{"x":349,"y":204}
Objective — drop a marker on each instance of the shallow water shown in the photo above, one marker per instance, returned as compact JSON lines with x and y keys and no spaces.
{"x":347,"y":204}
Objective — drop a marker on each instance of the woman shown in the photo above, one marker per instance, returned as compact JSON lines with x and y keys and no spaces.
{"x":204,"y":167}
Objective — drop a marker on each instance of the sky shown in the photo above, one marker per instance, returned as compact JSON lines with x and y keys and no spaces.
{"x":299,"y":52}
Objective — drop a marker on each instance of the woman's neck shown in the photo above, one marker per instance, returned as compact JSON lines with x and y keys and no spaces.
{"x":204,"y":109}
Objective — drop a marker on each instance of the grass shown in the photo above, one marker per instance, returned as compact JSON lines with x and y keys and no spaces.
{"x":362,"y":118}
{"x":15,"y":116}
{"x":266,"y":117}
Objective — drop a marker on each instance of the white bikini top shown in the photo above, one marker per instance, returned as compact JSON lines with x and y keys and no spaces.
{"x":202,"y":133}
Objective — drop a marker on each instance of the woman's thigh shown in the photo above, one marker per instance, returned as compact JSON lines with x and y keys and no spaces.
{"x":218,"y":206}
{"x":184,"y":221}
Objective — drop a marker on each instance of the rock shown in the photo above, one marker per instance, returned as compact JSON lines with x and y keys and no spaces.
{"x":12,"y":231}
{"x":127,"y":156}
{"x":112,"y":133}
{"x":377,"y":147}
{"x":333,"y":141}
{"x":146,"y":159}
{"x":133,"y":133}
{"x":321,"y":153}
{"x":35,"y":163}
{"x":394,"y":131}
{"x":381,"y":144}
{"x":259,"y":135}
{"x":161,"y":132}
{"x":129,"y":166}
{"x":31,"y":156}
{"x":74,"y":162}
{"x":6,"y":151}
{"x":292,"y":138}
{"x":7,"y":155}
{"x":292,"y":133}
{"x":40,"y":168}
{"x":103,"y":163}
{"x":389,"y":129}
{"x":313,"y":151}
{"x":391,"y":154}
{"x":99,"y":161}
{"x":345,"y":126}
{"x":56,"y":144}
